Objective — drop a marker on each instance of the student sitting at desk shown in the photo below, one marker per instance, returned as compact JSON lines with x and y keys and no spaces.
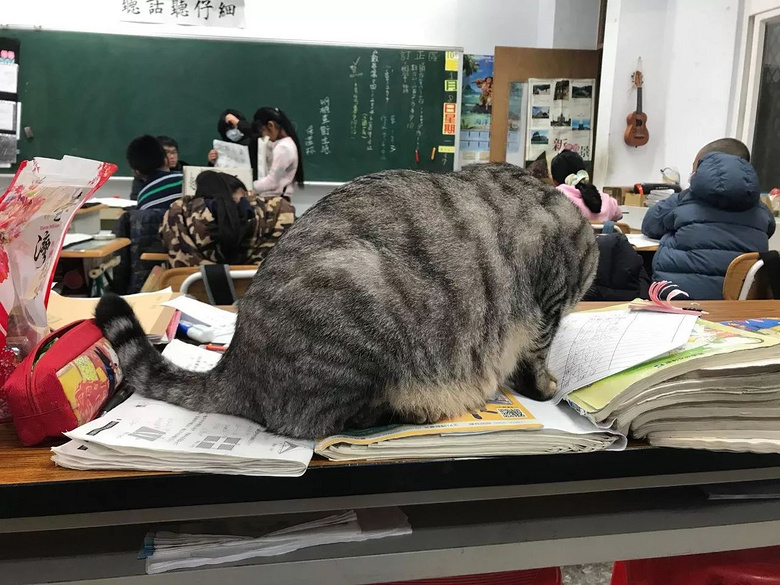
{"x":171,"y":148}
{"x":149,"y":162}
{"x":285,"y":166}
{"x":719,"y":217}
{"x":569,"y":176}
{"x":233,"y":126}
{"x":222,"y":224}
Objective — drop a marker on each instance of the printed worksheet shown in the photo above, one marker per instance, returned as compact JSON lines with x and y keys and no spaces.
{"x":592,"y":346}
{"x":231,"y":155}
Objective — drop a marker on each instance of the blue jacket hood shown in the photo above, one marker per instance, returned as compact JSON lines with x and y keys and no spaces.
{"x":725,"y":181}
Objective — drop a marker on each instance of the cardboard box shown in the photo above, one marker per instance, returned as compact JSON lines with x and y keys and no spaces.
{"x":619,"y":193}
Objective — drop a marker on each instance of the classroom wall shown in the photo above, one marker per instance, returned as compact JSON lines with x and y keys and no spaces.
{"x":688,"y":57}
{"x":476,"y":25}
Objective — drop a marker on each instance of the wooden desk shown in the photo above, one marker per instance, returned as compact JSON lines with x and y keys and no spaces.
{"x":95,"y":249}
{"x":91,"y":259}
{"x":468,"y":516}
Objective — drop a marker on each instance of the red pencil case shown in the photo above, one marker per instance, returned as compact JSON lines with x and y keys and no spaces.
{"x":63,"y":382}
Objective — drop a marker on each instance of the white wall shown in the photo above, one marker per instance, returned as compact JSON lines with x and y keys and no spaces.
{"x":688,"y":57}
{"x":576,"y":24}
{"x":477,"y":26}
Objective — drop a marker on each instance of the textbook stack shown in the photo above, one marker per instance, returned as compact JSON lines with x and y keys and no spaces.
{"x":719,"y":391}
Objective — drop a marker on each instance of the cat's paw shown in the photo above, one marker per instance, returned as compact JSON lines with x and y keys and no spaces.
{"x":546,"y":384}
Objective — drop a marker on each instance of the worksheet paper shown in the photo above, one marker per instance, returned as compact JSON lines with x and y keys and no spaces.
{"x":147,"y":434}
{"x":7,"y":116}
{"x":231,"y":155}
{"x":191,"y":357}
{"x":592,"y":346}
{"x":9,"y":77}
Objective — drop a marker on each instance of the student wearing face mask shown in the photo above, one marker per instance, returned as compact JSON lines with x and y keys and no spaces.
{"x":285,"y":163}
{"x":234,"y":127}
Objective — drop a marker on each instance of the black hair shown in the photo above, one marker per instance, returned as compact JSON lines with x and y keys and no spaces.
{"x":727,"y":146}
{"x":223,"y":127}
{"x":265,"y":115}
{"x":146,"y":155}
{"x":232,"y":226}
{"x":168,"y":141}
{"x":568,"y":163}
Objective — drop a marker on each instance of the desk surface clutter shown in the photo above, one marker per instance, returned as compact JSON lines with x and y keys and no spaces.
{"x":20,"y":466}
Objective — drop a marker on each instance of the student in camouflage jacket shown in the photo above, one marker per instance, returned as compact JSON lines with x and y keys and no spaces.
{"x":222,"y":224}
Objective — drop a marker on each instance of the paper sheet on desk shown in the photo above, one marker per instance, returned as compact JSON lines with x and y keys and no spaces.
{"x":148,"y":434}
{"x":641,"y":241}
{"x":194,"y":311}
{"x":75,"y":238}
{"x":191,"y":357}
{"x":591,"y":346}
{"x":114,"y":202}
{"x":155,"y":318}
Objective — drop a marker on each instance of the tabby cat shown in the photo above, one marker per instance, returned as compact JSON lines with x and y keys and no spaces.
{"x":402,"y":296}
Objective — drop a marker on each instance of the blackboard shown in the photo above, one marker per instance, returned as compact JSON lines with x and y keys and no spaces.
{"x":356,"y":109}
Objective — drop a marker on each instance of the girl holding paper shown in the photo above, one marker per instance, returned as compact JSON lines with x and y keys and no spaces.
{"x":233,"y":127}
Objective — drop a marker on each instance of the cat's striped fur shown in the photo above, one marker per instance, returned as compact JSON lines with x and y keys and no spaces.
{"x":401,"y":296}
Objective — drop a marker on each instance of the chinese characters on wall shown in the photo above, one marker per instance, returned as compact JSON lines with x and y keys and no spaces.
{"x":222,"y":13}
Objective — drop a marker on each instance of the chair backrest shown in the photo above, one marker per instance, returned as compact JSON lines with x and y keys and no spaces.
{"x":746,"y":280}
{"x":176,"y":278}
{"x":240,"y":275}
{"x":618,"y":226}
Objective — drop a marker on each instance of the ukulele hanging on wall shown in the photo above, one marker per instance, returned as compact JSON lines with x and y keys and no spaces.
{"x":636,"y":132}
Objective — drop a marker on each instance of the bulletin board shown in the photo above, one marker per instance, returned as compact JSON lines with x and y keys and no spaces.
{"x":513,"y":64}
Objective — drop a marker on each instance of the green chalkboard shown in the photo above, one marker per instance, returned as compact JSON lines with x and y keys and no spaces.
{"x":356,"y":109}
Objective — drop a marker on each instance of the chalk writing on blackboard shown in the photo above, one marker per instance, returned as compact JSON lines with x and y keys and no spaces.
{"x":404,"y":72}
{"x":325,"y":125}
{"x":433,"y":56}
{"x":354,"y":68}
{"x":420,"y":103}
{"x":413,"y":102}
{"x":372,"y":100}
{"x":392,"y":133}
{"x":308,"y":143}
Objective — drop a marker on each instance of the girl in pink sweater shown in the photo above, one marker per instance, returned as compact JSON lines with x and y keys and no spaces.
{"x":570,"y":177}
{"x":285,"y":164}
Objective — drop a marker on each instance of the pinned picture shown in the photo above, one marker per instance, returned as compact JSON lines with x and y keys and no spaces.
{"x":540,"y":136}
{"x":540,"y":112}
{"x":580,"y":124}
{"x":541,"y":89}
{"x":579,"y":92}
{"x":561,"y":90}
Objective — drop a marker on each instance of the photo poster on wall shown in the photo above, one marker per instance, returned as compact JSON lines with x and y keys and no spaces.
{"x":560,"y":116}
{"x":476,"y":109}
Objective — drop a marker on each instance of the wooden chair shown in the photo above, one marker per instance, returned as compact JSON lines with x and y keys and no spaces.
{"x":620,"y":227}
{"x":745,"y":279}
{"x":177,"y":277}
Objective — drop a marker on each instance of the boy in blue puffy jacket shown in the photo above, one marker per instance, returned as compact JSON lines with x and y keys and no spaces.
{"x":719,"y":217}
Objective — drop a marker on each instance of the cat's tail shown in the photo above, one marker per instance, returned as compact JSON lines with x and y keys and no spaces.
{"x":151,"y":375}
